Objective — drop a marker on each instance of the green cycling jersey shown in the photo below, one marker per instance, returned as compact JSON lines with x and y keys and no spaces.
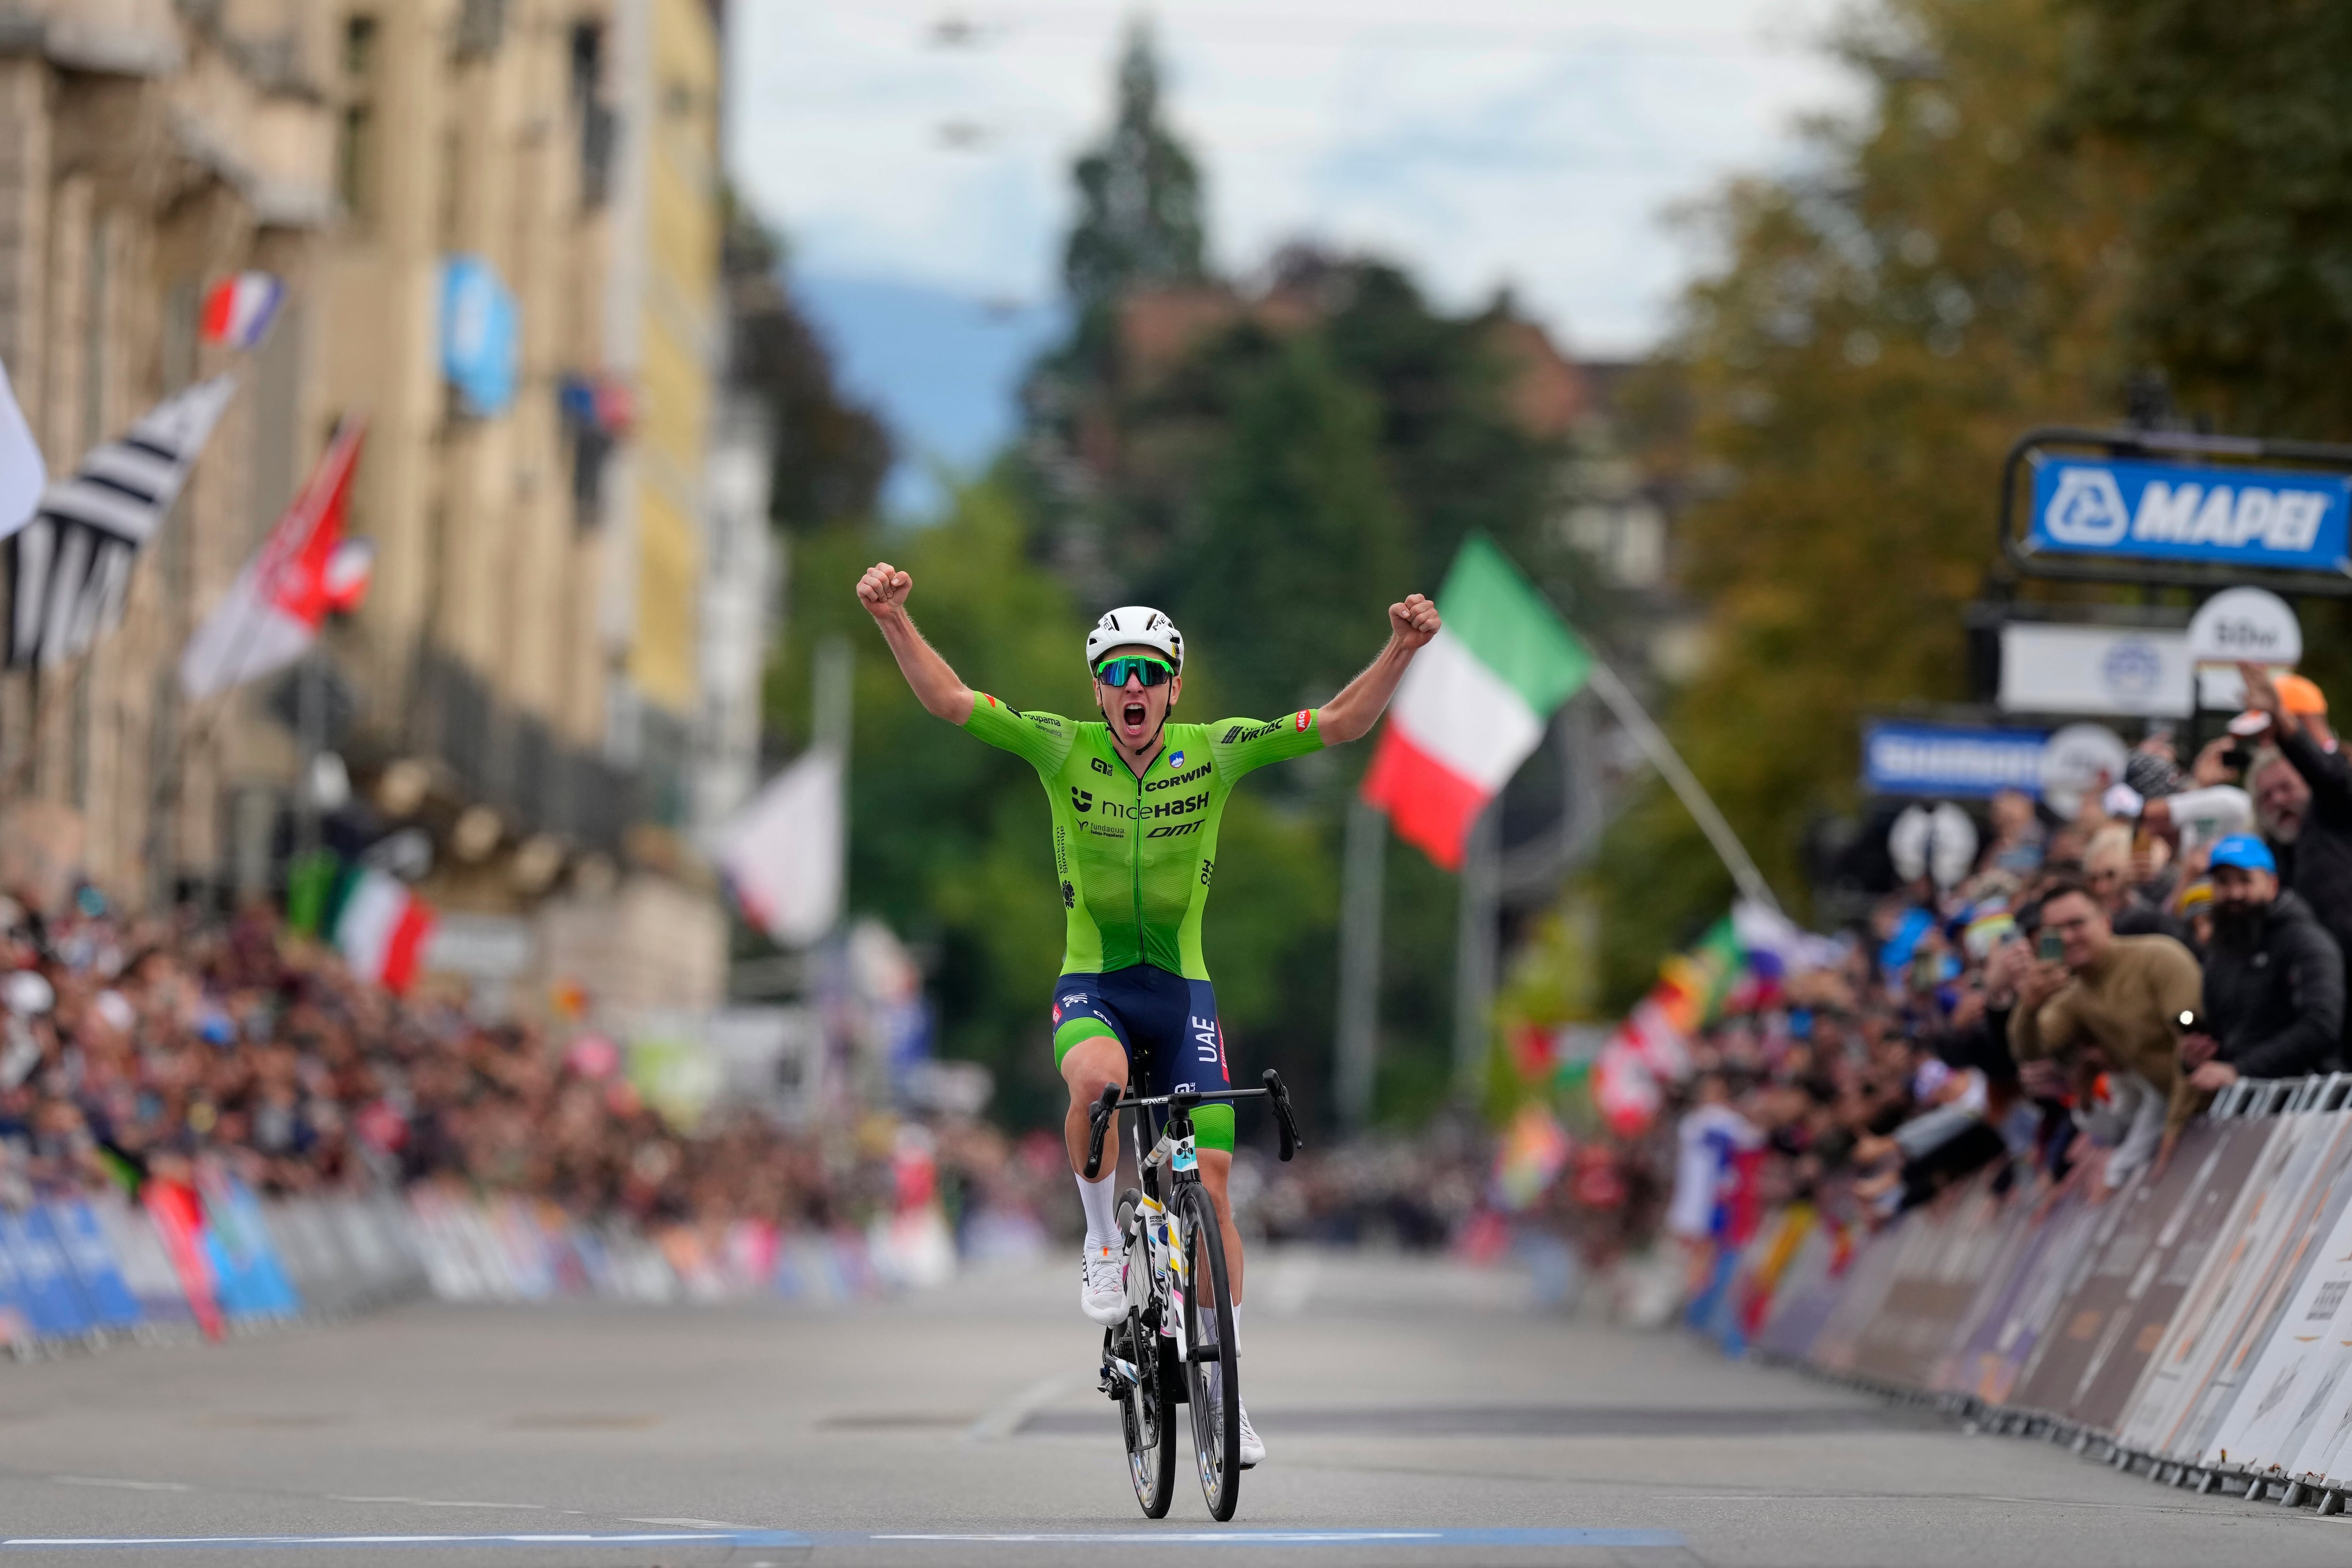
{"x":1135,"y":855}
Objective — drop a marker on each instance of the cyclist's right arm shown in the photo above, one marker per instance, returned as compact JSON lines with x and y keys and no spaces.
{"x":883,"y":591}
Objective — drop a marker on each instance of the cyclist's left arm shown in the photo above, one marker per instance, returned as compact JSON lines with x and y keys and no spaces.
{"x":1352,"y":714}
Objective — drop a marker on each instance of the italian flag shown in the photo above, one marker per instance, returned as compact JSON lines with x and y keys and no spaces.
{"x":380,"y":926}
{"x":1473,"y":703}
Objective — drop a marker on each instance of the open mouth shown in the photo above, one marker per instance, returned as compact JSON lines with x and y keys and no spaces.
{"x":1133,"y":714}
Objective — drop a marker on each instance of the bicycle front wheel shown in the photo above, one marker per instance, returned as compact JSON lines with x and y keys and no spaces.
{"x":1210,"y":1375}
{"x":1146,"y":1413}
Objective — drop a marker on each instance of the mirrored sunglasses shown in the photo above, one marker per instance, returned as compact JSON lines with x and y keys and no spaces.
{"x":1120,"y":671}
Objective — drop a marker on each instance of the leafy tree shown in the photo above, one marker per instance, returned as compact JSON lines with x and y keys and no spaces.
{"x":2241,"y":122}
{"x":831,"y":454}
{"x":1947,"y":272}
{"x":1138,"y":196}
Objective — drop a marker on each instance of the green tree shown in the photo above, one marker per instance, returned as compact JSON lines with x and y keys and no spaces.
{"x":2239,"y":121}
{"x":1949,"y":270}
{"x":1138,"y":196}
{"x":831,"y":454}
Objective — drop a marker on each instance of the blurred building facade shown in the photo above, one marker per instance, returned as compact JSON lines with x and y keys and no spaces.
{"x":499,"y":222}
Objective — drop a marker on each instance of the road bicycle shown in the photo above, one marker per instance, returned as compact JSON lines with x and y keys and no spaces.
{"x":1176,"y":1345}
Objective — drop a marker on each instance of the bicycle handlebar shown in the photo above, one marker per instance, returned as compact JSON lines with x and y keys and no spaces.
{"x":1104,"y":1110}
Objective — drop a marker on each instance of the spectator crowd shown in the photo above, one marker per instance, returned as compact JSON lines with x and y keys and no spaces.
{"x":2059,"y":1013}
{"x":134,"y":1048}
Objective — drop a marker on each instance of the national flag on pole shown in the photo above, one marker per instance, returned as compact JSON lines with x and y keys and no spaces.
{"x":23,"y":477}
{"x":1473,"y":703}
{"x":380,"y":925}
{"x":272,"y":613}
{"x":782,"y":855}
{"x":70,"y":566}
{"x":240,"y":309}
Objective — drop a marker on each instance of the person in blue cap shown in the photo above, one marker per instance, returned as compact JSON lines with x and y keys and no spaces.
{"x":2274,"y":998}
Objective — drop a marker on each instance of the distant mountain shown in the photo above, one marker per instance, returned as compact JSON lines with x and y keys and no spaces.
{"x":943,"y":369}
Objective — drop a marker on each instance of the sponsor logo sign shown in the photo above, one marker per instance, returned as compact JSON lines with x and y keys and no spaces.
{"x":2178,"y":511}
{"x":1961,"y":760}
{"x":2058,"y":669}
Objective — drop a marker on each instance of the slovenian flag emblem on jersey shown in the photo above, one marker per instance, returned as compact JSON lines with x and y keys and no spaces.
{"x":238,"y":311}
{"x":1473,"y":703}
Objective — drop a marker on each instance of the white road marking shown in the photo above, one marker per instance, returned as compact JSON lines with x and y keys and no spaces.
{"x":689,"y":1523}
{"x":1002,"y":1420}
{"x":128,"y":1486}
{"x":439,"y":1503}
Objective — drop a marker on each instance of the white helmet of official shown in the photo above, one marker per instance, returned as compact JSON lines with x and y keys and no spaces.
{"x":1135,"y":626}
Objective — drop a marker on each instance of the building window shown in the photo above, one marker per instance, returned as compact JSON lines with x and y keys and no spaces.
{"x":355,"y":152}
{"x":599,"y":126}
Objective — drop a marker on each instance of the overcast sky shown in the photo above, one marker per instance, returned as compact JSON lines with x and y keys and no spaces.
{"x":1527,"y":142}
{"x":1534,"y":144}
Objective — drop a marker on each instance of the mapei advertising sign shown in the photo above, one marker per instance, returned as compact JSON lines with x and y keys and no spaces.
{"x":2125,"y":507}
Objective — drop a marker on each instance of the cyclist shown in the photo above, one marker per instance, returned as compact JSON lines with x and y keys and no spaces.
{"x":1136,"y":801}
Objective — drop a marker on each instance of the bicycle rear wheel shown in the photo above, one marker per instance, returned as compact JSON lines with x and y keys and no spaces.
{"x":1211,"y":1374}
{"x":1147,"y":1419}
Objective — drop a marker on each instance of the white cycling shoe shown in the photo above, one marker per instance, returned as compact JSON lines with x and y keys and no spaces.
{"x":1253,"y":1449}
{"x":1102,"y":1283}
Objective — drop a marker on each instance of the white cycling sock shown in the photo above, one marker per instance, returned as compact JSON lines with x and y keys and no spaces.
{"x":1237,"y":1327}
{"x":1102,"y":1209}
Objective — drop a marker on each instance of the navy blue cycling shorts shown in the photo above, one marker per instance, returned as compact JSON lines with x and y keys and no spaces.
{"x":1168,"y":1026}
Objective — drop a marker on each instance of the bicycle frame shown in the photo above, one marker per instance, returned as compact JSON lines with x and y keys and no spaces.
{"x":1158,"y":1221}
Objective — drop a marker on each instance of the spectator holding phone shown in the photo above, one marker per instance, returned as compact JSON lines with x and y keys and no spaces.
{"x":2273,"y":979}
{"x":2097,"y":1002}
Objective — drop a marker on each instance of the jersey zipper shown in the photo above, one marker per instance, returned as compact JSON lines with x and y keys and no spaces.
{"x":1135,"y":858}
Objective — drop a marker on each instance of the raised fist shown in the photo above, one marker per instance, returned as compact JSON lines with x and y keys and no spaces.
{"x":884,"y":588}
{"x":1414,"y":622}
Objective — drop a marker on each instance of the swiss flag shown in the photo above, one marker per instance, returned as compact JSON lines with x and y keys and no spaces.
{"x":272,"y":613}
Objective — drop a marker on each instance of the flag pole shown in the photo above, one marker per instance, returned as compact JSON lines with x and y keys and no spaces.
{"x":1684,"y":783}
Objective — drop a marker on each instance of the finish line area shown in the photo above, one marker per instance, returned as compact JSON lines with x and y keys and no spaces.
{"x":1416,"y":1412}
{"x":1174,"y":1536}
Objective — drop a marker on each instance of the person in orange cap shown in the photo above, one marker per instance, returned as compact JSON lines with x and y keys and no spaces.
{"x":2302,"y":795}
{"x":2299,"y":699}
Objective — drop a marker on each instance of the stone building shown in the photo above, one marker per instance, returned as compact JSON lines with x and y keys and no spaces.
{"x":499,"y":224}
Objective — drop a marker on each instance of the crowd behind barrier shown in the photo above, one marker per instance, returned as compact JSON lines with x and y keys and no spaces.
{"x":207,"y":1124}
{"x":2061,"y":1136}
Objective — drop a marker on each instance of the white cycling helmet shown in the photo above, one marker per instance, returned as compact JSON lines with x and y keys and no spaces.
{"x":1135,"y":626}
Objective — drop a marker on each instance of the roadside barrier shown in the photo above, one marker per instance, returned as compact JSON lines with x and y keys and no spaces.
{"x":213,"y":1258}
{"x":2195,"y":1326}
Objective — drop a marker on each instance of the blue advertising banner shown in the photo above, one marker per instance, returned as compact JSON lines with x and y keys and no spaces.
{"x":92,"y":1261}
{"x":251,"y":1281}
{"x":50,"y":1296}
{"x":2130,"y":508}
{"x":1954,"y":760}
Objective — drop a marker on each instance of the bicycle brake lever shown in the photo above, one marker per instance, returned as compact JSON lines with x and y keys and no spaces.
{"x":1280,"y":1097}
{"x":1097,"y":1120}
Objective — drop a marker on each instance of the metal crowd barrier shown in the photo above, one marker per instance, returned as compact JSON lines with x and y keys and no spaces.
{"x":2196,"y":1327}
{"x":213,"y":1258}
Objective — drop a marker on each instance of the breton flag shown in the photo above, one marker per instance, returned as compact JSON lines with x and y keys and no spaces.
{"x":1473,"y":703}
{"x":380,"y":925}
{"x":70,"y":566}
{"x":240,"y":309}
{"x":272,"y":613}
{"x":782,"y":855}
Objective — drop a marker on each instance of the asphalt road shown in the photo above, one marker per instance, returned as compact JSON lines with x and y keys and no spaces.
{"x":1415,"y":1413}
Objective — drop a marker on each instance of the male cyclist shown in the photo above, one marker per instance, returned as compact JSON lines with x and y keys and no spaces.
{"x":1136,"y":801}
